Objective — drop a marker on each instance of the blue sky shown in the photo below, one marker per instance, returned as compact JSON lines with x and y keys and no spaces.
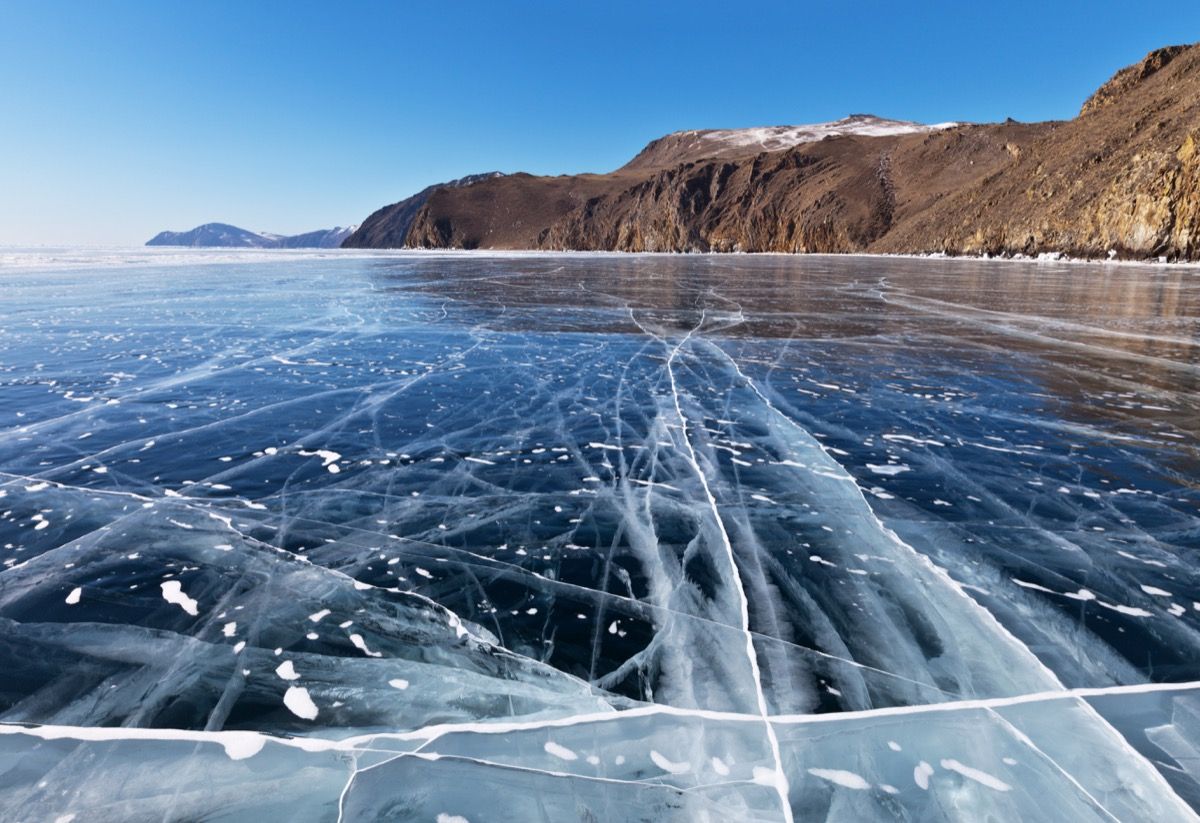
{"x":118,"y":119}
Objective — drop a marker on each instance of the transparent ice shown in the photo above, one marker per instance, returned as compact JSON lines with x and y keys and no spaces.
{"x":586,"y":537}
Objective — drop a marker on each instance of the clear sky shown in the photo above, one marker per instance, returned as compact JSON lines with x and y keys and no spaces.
{"x":119,"y":119}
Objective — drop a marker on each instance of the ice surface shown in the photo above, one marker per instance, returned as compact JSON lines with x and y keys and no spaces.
{"x":600,"y":537}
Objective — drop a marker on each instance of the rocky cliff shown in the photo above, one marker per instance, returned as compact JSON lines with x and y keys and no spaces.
{"x":388,"y":227}
{"x":1122,"y":178}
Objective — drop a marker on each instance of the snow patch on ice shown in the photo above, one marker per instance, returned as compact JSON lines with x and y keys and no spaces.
{"x":559,"y":751}
{"x":978,"y":776}
{"x":299,"y":703}
{"x":172,"y":592}
{"x":668,"y":765}
{"x":841,"y":777}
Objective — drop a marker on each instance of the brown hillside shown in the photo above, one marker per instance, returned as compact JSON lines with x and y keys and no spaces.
{"x":1124,"y":176}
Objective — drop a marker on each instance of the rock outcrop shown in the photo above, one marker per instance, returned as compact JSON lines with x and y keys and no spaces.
{"x":1128,"y":78}
{"x":388,"y":227}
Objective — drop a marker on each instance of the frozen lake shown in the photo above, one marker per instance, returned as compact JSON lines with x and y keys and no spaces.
{"x":312,"y":536}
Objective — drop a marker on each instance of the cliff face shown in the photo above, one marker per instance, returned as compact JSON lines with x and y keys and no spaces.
{"x":1123,"y":176}
{"x":509,"y":212}
{"x":388,"y":227}
{"x":840,"y":194}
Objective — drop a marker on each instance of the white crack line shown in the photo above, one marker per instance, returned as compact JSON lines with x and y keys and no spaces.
{"x":781,"y":782}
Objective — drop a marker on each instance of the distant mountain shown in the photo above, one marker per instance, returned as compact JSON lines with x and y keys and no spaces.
{"x":1120,"y":179}
{"x":226,"y":236}
{"x":214,"y":234}
{"x":320,"y":239}
{"x":388,"y":227}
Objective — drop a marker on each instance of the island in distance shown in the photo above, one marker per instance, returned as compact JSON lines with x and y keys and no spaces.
{"x":1122,"y":179}
{"x":223,"y":235}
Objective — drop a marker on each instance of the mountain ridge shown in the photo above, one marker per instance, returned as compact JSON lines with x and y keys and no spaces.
{"x":1120,"y":179}
{"x":224,"y":235}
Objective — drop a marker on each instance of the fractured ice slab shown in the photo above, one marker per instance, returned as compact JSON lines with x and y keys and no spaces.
{"x":1048,"y":757}
{"x":128,"y":652}
{"x":1037,"y":759}
{"x":602,"y":537}
{"x":114,"y":774}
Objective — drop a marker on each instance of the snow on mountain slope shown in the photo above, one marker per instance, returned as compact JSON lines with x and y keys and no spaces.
{"x":688,"y":146}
